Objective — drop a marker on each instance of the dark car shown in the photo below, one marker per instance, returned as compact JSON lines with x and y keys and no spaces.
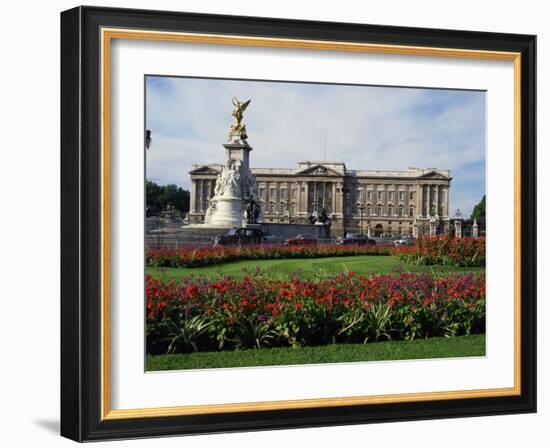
{"x":301,"y":240}
{"x":357,"y":240}
{"x":241,"y":237}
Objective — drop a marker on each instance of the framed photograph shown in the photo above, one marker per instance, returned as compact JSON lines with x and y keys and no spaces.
{"x":272,"y":223}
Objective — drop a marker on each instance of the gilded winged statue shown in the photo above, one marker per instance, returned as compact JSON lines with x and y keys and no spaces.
{"x":237,"y":131}
{"x":239,"y":109}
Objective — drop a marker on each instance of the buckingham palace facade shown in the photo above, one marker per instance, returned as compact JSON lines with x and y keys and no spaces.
{"x":378,"y":203}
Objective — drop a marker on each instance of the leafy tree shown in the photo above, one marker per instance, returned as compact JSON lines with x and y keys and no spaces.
{"x":479,"y":210}
{"x":159,"y":196}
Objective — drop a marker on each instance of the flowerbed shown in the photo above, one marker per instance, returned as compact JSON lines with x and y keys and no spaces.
{"x":445,"y":250}
{"x":206,"y":256}
{"x":201,"y":315}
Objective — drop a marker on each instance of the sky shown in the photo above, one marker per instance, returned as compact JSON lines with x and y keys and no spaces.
{"x":366,"y":127}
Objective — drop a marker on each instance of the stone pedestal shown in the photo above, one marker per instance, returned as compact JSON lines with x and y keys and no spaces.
{"x":475,"y":229}
{"x":225,"y":212}
{"x":458,"y":228}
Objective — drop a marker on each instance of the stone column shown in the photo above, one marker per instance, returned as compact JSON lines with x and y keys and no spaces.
{"x":333,"y":186}
{"x":279,"y":198}
{"x":420,"y":200}
{"x":305,"y":196}
{"x":406,"y":201}
{"x":447,"y":200}
{"x":340,"y":201}
{"x":302,"y":196}
{"x":199,"y":189}
{"x":429,"y":200}
{"x":436,"y":187}
{"x":298,"y":197}
{"x":193,"y":204}
{"x":204,"y":195}
{"x":395,"y":201}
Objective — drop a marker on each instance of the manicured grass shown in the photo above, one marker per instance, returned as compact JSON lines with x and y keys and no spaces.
{"x":473,"y":345}
{"x":307,"y":267}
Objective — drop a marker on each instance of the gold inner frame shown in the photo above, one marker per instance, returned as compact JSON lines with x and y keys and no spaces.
{"x":107,"y":35}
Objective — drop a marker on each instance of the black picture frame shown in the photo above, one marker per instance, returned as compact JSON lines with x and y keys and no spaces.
{"x":81,"y":224}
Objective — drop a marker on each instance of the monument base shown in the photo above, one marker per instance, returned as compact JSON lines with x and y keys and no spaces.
{"x":226,"y":212}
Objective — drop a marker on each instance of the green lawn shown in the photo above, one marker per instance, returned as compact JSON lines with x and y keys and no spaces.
{"x":473,"y":345}
{"x":307,"y":267}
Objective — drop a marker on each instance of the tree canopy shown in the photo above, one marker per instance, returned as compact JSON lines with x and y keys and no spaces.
{"x":159,"y":196}
{"x":479,"y":210}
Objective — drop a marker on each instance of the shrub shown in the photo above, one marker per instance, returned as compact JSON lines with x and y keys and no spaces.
{"x":201,"y":315}
{"x":445,"y":250}
{"x":206,"y":256}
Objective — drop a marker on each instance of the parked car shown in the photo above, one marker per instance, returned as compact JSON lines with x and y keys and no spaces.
{"x":241,"y":237}
{"x":404,"y":241}
{"x":301,"y":240}
{"x":357,"y":240}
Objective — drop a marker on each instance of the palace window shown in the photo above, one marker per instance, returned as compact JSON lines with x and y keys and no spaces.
{"x":369,"y":195}
{"x":411,"y":211}
{"x":390,"y":210}
{"x":369,"y":210}
{"x":390,"y":194}
{"x":401,"y":195}
{"x":379,"y":210}
{"x":411,"y":195}
{"x":400,"y":211}
{"x":380,"y":195}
